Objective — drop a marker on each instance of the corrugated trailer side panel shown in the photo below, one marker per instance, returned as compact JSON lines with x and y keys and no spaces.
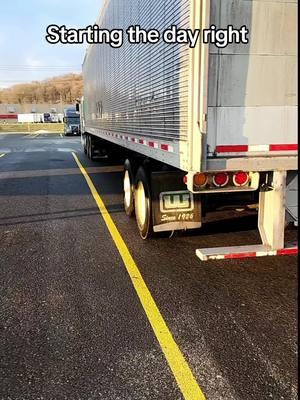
{"x":252,"y":88}
{"x":148,"y":97}
{"x":139,"y":95}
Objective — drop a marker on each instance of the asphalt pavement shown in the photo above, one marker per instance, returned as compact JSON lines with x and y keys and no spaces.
{"x":72,"y":325}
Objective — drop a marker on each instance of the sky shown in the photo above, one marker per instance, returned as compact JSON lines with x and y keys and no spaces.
{"x":25,"y":54}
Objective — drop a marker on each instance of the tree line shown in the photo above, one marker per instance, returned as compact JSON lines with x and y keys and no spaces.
{"x":65,"y":89}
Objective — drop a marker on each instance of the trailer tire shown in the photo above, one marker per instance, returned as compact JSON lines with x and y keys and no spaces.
{"x":84,"y":143}
{"x":142,"y":203}
{"x":90,"y":149}
{"x":128,"y":187}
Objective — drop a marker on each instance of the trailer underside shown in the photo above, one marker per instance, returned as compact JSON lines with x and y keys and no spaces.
{"x":158,"y":196}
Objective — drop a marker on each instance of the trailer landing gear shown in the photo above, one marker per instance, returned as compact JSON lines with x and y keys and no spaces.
{"x":271,"y":223}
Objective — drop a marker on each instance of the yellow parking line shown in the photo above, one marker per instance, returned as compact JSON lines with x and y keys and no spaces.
{"x":179,"y":366}
{"x":2,"y":155}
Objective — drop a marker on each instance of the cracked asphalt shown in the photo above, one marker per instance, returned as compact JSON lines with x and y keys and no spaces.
{"x":71,"y":324}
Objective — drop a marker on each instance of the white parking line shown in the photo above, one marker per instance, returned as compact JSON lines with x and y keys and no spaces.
{"x":29,"y":135}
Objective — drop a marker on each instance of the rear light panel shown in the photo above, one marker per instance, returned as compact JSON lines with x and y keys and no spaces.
{"x":223,"y":181}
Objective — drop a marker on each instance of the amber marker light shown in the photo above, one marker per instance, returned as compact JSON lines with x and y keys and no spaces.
{"x":200,"y":179}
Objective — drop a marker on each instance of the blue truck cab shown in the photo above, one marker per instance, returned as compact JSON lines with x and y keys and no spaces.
{"x":71,"y":122}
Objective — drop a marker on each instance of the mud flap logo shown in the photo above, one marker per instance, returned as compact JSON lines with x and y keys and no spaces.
{"x":181,"y":201}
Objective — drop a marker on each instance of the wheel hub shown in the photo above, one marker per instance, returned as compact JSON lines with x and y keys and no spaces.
{"x":141,"y":205}
{"x":127,"y":189}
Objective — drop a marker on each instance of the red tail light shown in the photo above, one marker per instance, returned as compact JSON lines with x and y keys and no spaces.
{"x":221,"y":179}
{"x":240,"y":178}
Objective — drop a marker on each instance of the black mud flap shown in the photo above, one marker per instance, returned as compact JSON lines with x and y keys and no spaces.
{"x":173,"y":206}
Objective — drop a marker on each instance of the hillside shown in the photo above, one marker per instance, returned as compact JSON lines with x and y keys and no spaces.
{"x":65,"y":88}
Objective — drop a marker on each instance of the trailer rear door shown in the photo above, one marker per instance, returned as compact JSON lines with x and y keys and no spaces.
{"x":252,"y":88}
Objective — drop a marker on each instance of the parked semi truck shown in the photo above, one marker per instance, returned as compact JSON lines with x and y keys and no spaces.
{"x":71,"y":121}
{"x":199,"y":127}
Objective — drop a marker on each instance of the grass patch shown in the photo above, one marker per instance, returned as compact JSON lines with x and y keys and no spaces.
{"x":24,"y":127}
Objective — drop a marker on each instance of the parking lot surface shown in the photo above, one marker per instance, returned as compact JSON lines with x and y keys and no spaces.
{"x":73,"y":324}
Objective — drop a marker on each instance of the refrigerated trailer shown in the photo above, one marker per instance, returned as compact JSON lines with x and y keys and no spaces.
{"x":201,"y":124}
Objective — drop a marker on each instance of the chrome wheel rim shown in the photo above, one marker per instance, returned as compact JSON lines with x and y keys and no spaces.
{"x":127,"y":189}
{"x":141,"y":205}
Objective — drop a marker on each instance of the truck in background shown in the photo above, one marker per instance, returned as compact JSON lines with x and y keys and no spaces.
{"x":47,"y":118}
{"x":40,"y":118}
{"x":71,"y":121}
{"x":8,"y":118}
{"x":30,"y":118}
{"x":199,"y":127}
{"x":57,"y":118}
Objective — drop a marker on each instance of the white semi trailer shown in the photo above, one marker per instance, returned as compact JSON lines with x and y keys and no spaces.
{"x":203,"y":124}
{"x":30,"y":118}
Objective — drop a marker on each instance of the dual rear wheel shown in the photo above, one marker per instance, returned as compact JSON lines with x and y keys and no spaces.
{"x":137,"y":198}
{"x":89,"y":147}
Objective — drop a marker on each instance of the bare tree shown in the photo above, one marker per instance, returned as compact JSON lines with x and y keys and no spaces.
{"x":64,"y":88}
